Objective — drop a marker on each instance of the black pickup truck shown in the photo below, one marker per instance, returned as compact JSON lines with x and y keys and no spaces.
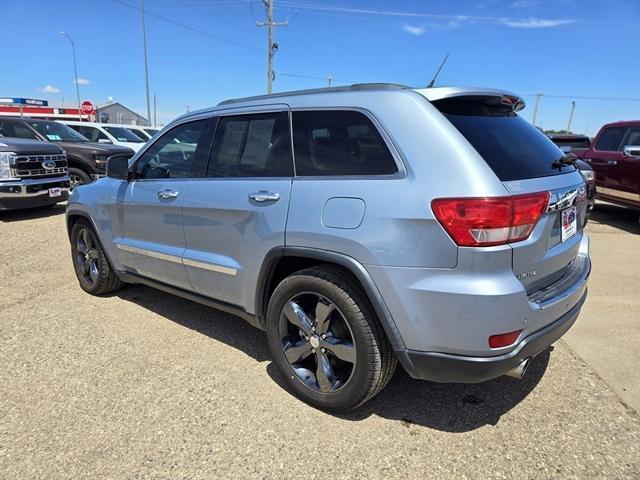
{"x":32,"y":174}
{"x":86,"y":159}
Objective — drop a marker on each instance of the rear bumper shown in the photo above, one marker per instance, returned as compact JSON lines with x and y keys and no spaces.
{"x":447,"y":368}
{"x":32,"y":193}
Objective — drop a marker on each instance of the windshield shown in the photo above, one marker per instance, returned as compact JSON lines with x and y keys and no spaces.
{"x":57,"y":132}
{"x":123,"y":135}
{"x":511,"y":146}
{"x":151,"y":131}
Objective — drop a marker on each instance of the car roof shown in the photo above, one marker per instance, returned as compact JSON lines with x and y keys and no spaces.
{"x":431,"y":93}
{"x":623,"y":123}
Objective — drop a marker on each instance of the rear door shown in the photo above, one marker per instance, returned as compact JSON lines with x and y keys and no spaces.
{"x":526,"y":161}
{"x":147,"y":211}
{"x":238,"y":213}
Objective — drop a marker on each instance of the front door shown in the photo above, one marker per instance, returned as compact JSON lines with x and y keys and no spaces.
{"x":604,"y":156}
{"x":235,"y":215}
{"x":147,"y":211}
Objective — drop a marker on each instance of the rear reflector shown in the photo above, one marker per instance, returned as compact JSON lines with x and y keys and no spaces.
{"x":483,"y":222}
{"x":504,"y":339}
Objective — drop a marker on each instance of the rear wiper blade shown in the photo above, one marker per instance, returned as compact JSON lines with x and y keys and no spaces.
{"x":568,"y":159}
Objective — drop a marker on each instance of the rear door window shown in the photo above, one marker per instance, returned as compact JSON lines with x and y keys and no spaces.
{"x":511,"y":146}
{"x":339,"y":142}
{"x":609,"y":140}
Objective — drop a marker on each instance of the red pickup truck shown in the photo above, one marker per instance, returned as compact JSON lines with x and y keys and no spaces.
{"x":615,"y":158}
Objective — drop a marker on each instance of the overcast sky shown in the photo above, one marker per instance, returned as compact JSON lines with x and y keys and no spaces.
{"x":203,"y":51}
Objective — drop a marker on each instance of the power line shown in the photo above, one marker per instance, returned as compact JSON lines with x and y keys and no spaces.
{"x":192,"y":29}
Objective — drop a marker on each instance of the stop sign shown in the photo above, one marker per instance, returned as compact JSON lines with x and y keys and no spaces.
{"x":86,"y":108}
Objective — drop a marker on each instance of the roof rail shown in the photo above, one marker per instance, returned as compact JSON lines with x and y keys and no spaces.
{"x":349,"y":88}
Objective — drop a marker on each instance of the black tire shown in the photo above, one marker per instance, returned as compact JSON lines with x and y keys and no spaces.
{"x":94,"y":273}
{"x":78,"y":177}
{"x":374,"y":360}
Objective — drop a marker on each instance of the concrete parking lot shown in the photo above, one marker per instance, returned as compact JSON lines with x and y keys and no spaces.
{"x":142,"y":384}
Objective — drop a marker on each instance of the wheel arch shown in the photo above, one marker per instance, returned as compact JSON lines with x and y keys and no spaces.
{"x":282,"y":261}
{"x":78,"y":162}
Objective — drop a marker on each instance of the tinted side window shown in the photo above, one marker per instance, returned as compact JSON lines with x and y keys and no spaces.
{"x":339,"y":142}
{"x":12,"y":129}
{"x":609,"y":140}
{"x":252,"y":146}
{"x":176,"y":153}
{"x":91,"y":133}
{"x":632,"y":138}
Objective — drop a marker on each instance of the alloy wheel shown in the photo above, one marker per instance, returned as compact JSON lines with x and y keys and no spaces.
{"x":317,"y":342}
{"x":75,"y":181}
{"x":87,"y":256}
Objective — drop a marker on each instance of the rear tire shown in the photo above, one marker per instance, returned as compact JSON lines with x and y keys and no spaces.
{"x":94,"y":273}
{"x":326,"y":341}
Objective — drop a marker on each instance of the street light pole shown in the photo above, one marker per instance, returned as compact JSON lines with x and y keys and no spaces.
{"x":146,"y":66}
{"x":75,"y":70}
{"x":535,"y":109}
{"x":573,"y":109}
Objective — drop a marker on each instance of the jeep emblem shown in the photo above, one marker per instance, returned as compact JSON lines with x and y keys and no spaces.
{"x":49,"y":164}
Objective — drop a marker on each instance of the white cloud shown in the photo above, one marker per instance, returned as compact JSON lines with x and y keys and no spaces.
{"x":49,"y":89}
{"x":82,"y":81}
{"x":413,"y":29}
{"x":534,"y":23}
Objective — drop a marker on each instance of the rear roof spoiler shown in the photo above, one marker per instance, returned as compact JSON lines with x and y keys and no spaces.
{"x":444,"y":93}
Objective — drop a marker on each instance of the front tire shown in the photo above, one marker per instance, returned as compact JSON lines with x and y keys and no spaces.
{"x":92,"y":268}
{"x":326,"y":341}
{"x":78,"y":177}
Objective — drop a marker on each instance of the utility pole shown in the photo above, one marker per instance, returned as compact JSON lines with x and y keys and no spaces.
{"x":573,"y":108}
{"x":146,"y":66}
{"x":75,"y":71}
{"x":272,"y":46}
{"x":155,"y":110}
{"x":329,"y":80}
{"x":535,"y":110}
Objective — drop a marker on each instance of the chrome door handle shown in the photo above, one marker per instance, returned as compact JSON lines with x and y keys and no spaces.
{"x":263,"y":196}
{"x":167,"y":194}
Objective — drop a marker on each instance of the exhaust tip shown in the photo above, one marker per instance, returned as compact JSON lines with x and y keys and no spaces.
{"x":519,"y":370}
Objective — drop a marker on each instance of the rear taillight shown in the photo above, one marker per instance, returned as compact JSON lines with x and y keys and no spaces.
{"x":483,"y":222}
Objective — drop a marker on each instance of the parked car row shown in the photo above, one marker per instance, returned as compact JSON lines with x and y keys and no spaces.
{"x":86,"y":148}
{"x":611,"y":162}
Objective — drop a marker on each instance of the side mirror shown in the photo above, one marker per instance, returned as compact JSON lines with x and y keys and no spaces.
{"x":104,"y":140}
{"x":566,"y":148}
{"x":631,"y":151}
{"x":118,"y":167}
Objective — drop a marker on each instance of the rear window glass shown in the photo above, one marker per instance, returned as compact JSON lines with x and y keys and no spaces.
{"x":511,"y":146}
{"x":339,"y":142}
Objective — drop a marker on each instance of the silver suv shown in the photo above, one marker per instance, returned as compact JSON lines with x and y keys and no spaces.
{"x":359,"y":226}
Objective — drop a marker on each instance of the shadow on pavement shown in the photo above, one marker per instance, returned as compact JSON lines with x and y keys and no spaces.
{"x":32,"y":213}
{"x":445,"y":407}
{"x":623,"y":218}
